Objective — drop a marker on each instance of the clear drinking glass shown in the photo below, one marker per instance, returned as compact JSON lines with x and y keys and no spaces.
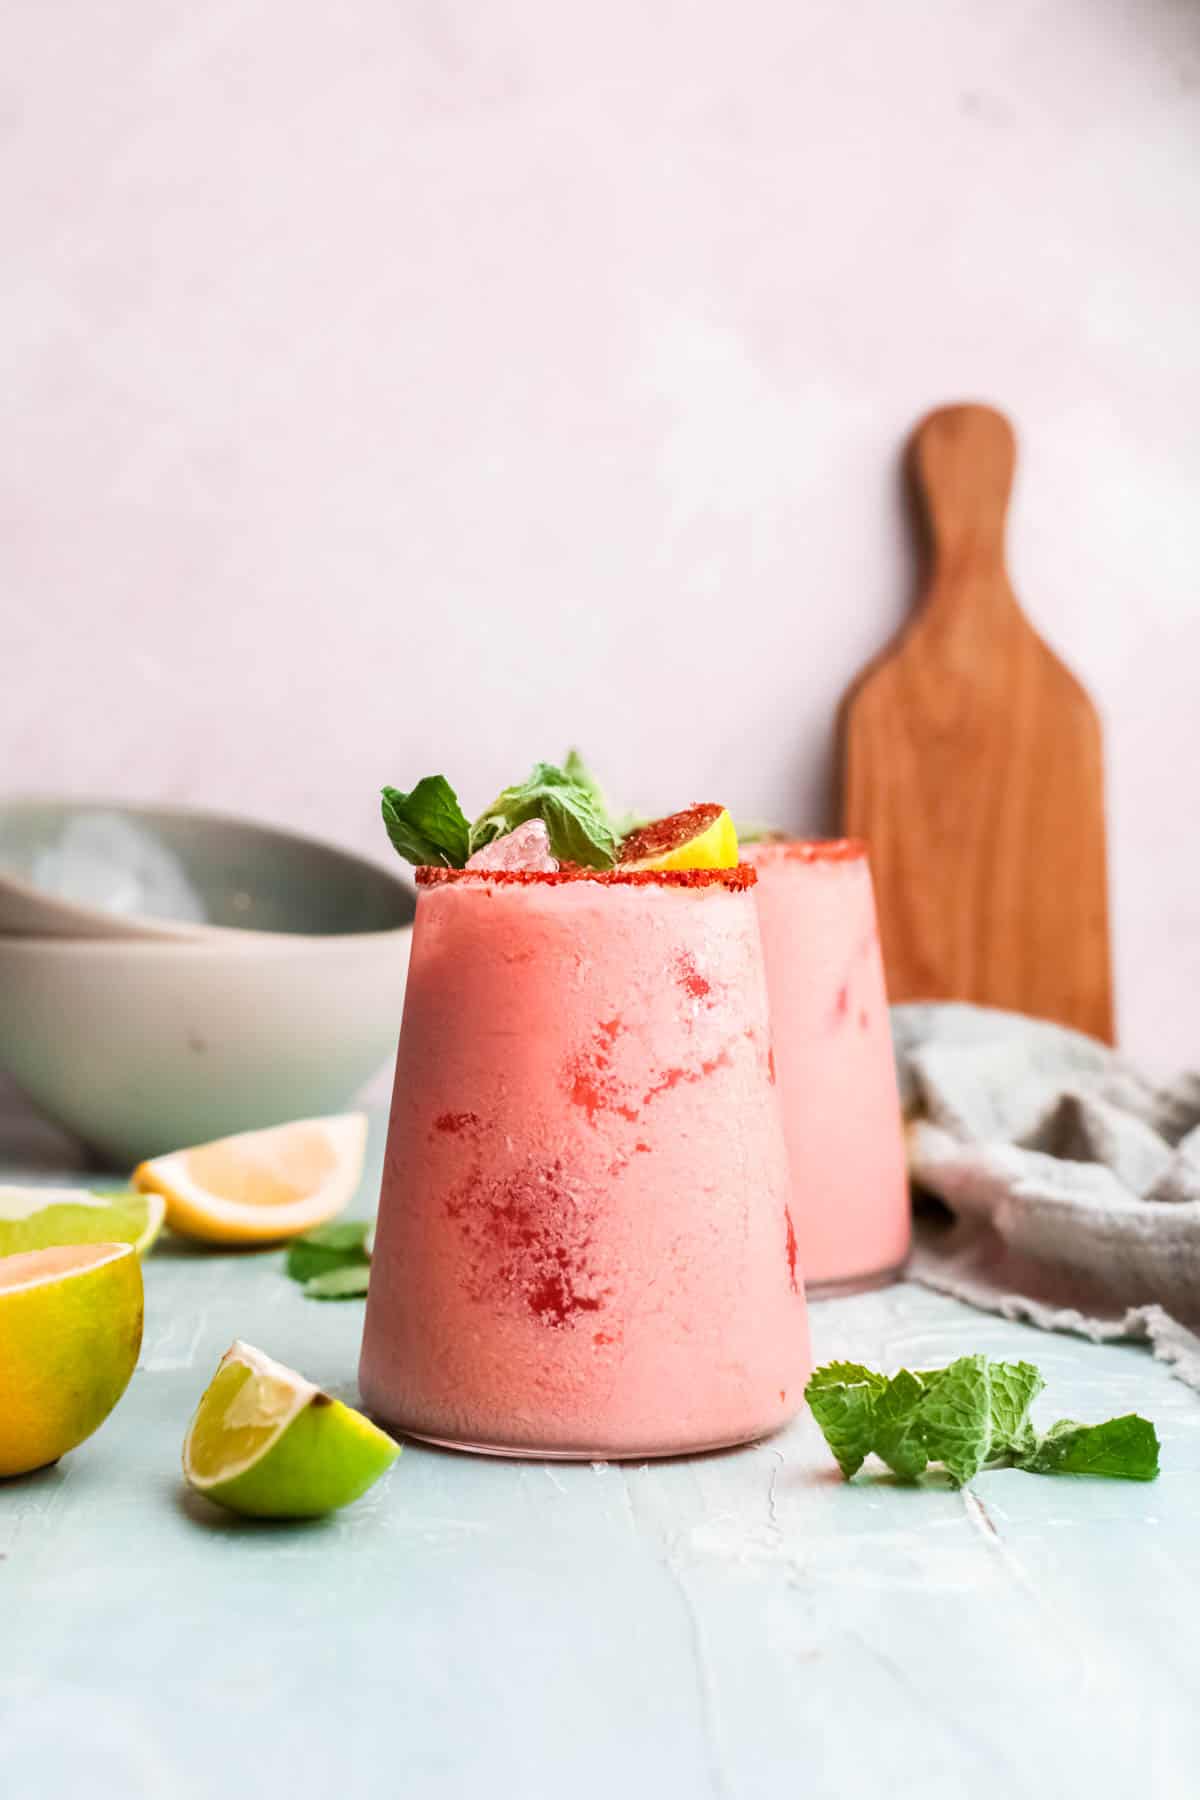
{"x":585,"y":1246}
{"x":837,"y":1073}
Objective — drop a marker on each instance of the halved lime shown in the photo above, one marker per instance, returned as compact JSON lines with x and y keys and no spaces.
{"x":39,"y":1218}
{"x":266,"y":1442}
{"x":70,"y":1332}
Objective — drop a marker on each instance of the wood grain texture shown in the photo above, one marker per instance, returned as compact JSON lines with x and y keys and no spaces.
{"x":972,"y":764}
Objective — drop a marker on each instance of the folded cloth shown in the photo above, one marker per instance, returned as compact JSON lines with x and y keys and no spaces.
{"x":1074,"y":1183}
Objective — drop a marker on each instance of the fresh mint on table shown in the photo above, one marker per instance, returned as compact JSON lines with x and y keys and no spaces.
{"x":1127,"y":1446}
{"x":974,"y":1412}
{"x":347,"y":1283}
{"x":332,"y":1262}
{"x":428,"y":826}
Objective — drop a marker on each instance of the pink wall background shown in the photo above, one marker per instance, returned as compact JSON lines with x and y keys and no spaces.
{"x":428,"y":384}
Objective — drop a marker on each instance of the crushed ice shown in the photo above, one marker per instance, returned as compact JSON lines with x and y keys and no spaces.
{"x":106,"y":860}
{"x":528,"y":847}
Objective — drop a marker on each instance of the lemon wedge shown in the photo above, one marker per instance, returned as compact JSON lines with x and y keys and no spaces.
{"x":70,"y":1332}
{"x":703,"y":837}
{"x":267,"y":1443}
{"x":260,"y":1186}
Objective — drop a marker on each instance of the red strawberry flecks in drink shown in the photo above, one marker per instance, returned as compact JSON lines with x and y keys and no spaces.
{"x":529,"y":1242}
{"x":455,"y":1121}
{"x":792,"y":1249}
{"x":690,"y":979}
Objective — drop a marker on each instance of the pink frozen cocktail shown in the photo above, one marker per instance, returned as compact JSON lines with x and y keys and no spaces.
{"x":586,"y":1244}
{"x":833,"y":1047}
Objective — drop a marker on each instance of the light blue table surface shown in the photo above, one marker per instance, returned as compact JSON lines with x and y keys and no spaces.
{"x":737,"y":1625}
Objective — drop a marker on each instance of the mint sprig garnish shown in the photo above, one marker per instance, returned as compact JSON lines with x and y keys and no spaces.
{"x":576,"y":770}
{"x":332,"y":1262}
{"x":428,"y":826}
{"x":574,"y":816}
{"x":976,"y":1411}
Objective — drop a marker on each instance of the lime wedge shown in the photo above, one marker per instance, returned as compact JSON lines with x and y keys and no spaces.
{"x":39,"y":1218}
{"x":268,"y":1443}
{"x":70,"y":1332}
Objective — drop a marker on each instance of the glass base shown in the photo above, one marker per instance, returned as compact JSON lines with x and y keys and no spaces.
{"x":530,"y":1453}
{"x":853,"y":1284}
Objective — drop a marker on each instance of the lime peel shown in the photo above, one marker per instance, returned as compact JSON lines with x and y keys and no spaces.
{"x":70,"y":1332}
{"x":37,"y":1218}
{"x":268,"y":1443}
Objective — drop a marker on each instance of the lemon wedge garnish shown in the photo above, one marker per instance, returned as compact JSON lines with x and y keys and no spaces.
{"x":703,"y":837}
{"x":260,"y":1186}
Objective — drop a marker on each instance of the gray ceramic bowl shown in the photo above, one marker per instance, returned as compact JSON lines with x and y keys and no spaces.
{"x":143,"y":1042}
{"x":248,"y":877}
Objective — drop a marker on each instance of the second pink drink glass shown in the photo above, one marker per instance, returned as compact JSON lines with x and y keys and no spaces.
{"x":833,"y":1048}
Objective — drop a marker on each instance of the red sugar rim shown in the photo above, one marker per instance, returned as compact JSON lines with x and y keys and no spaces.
{"x":808,"y":850}
{"x":743,"y":876}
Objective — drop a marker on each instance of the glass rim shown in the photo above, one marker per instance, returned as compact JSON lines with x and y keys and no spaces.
{"x":742,"y":876}
{"x":808,"y":850}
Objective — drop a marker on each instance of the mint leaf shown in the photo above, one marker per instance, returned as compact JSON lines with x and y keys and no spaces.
{"x":972,"y":1412}
{"x":956,"y":1415}
{"x":842,"y":1398}
{"x":427,"y":826}
{"x":1126,"y":1447}
{"x":1015,"y":1386}
{"x":622,"y":823}
{"x":339,"y":1234}
{"x":577,"y":771}
{"x":577,"y":822}
{"x":899,"y":1427}
{"x":327,"y":1248}
{"x":339,"y":1284}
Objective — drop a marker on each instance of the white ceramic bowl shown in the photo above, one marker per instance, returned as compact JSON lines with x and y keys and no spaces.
{"x":137,"y":1047}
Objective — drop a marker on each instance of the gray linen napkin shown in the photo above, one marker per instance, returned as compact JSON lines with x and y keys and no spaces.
{"x":1074,"y":1182}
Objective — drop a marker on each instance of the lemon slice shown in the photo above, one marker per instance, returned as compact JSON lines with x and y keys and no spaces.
{"x":37,"y":1218}
{"x":260,"y":1186}
{"x":703,"y":837}
{"x":268,"y":1443}
{"x":70,"y":1332}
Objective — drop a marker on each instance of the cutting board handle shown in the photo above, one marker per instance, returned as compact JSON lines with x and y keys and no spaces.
{"x":962,"y":460}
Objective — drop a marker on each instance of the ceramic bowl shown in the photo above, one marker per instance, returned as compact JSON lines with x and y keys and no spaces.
{"x":140,"y":1034}
{"x":137,"y":1047}
{"x":249,"y":878}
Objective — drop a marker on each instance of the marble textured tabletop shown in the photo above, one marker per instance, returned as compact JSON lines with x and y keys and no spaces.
{"x":736,"y":1625}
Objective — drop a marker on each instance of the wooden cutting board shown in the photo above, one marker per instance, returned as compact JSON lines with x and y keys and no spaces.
{"x":972,"y":764}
